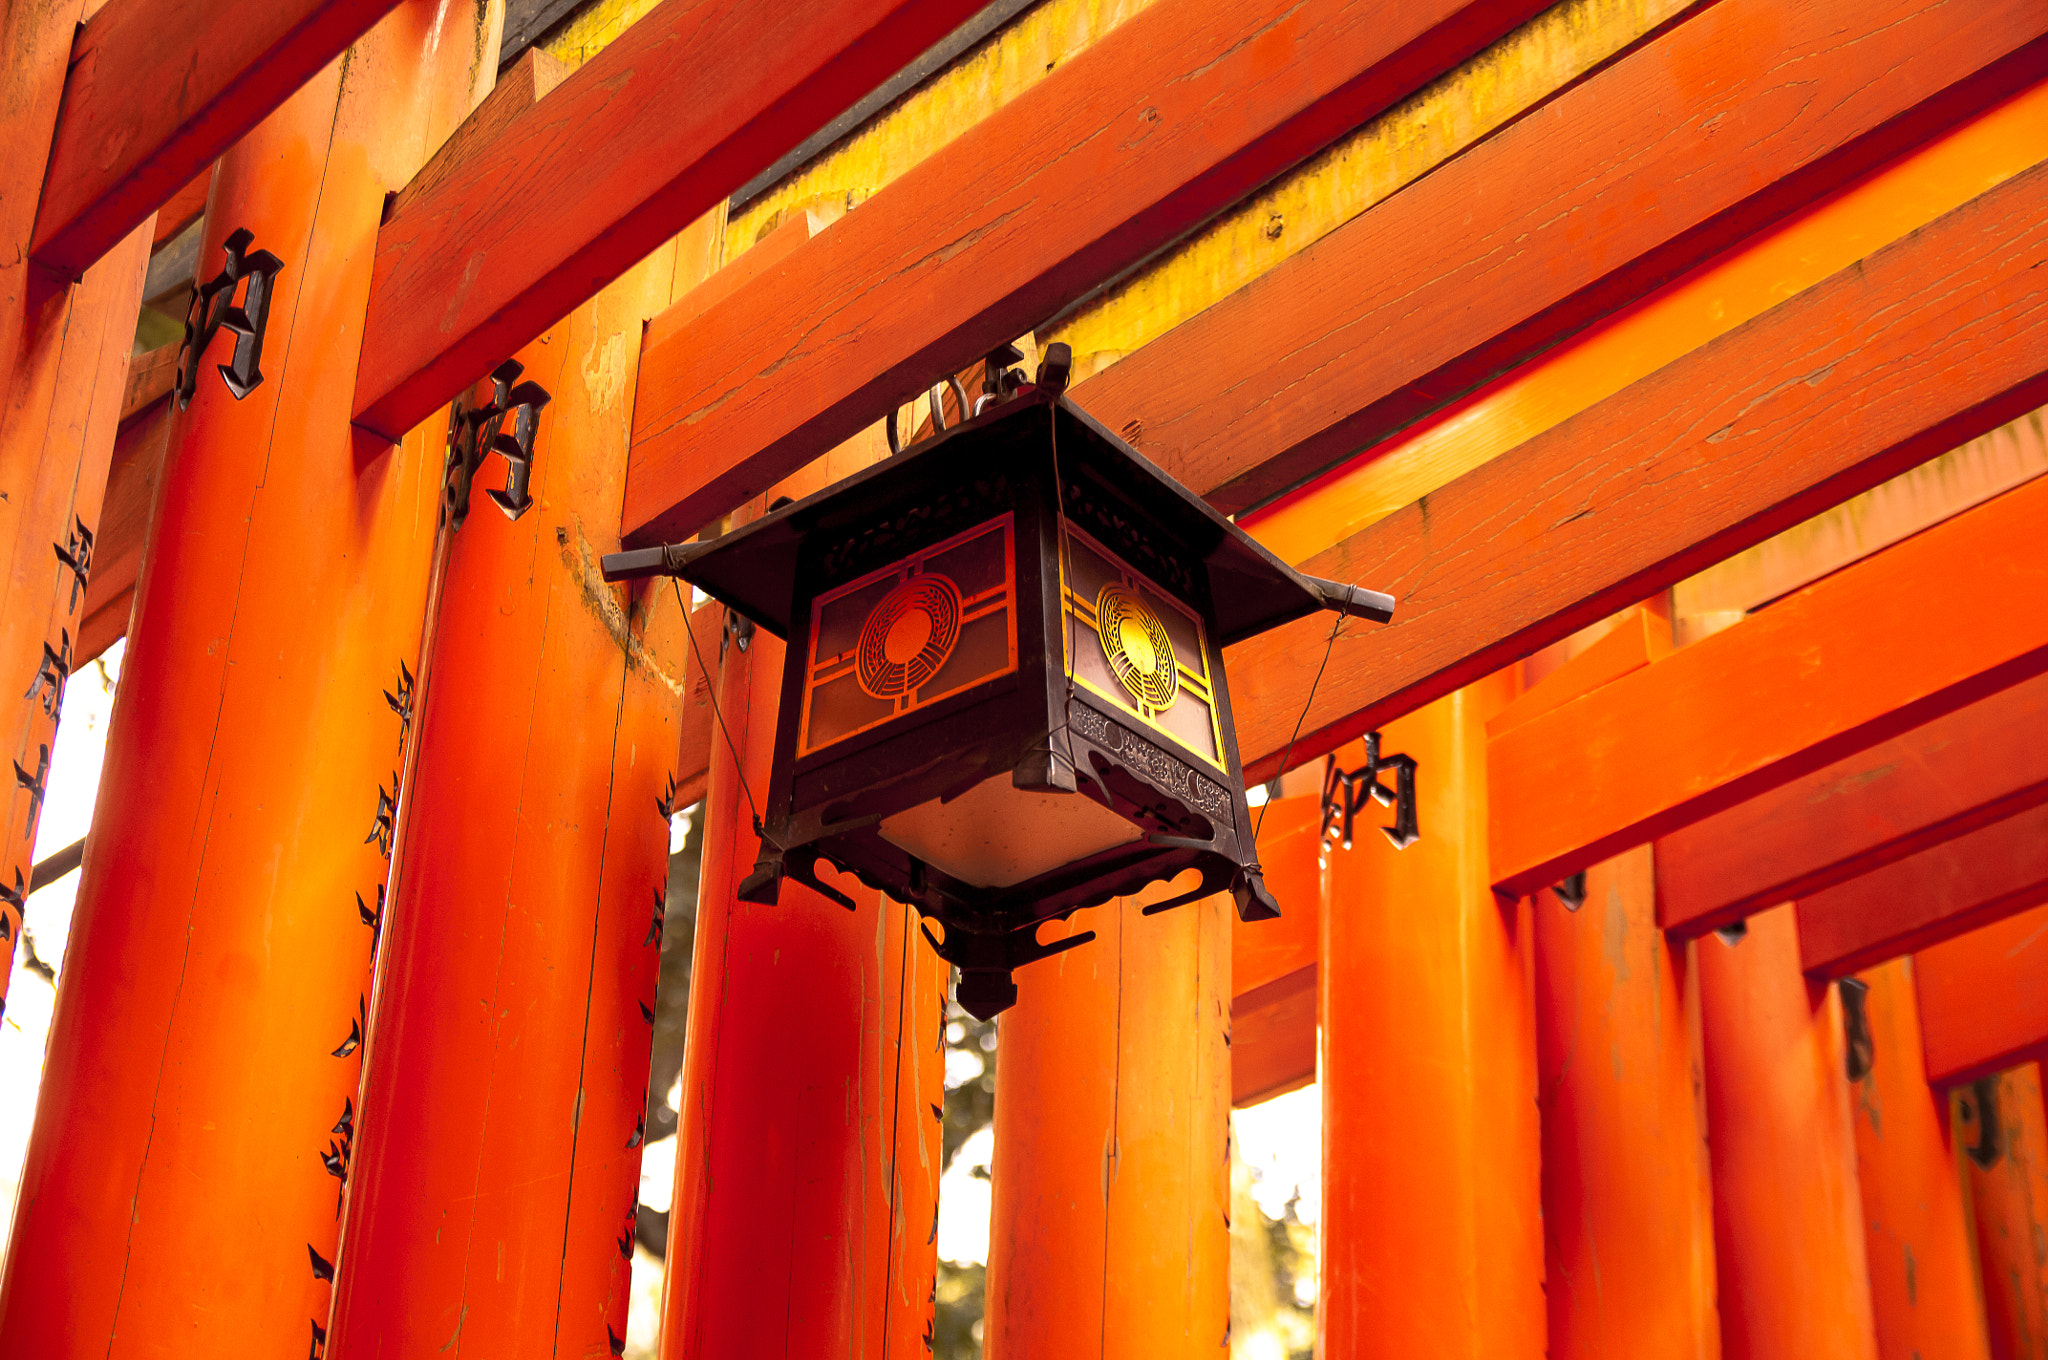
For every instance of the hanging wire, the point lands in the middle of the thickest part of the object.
(1306, 704)
(711, 690)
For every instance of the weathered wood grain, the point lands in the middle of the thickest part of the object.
(157, 90)
(1738, 117)
(1984, 998)
(1939, 781)
(491, 248)
(1914, 632)
(1176, 114)
(1950, 889)
(1915, 349)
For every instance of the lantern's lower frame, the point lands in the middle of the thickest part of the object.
(1004, 698)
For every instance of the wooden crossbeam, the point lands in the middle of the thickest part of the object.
(1582, 207)
(1900, 638)
(485, 250)
(157, 90)
(1917, 348)
(1273, 963)
(1948, 890)
(1978, 765)
(1984, 999)
(1174, 115)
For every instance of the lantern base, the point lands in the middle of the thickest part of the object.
(997, 835)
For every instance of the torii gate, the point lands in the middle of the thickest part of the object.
(1530, 314)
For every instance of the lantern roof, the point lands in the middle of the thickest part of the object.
(754, 568)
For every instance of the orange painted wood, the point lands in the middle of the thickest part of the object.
(1984, 998)
(1927, 342)
(695, 729)
(57, 434)
(131, 482)
(1761, 108)
(182, 209)
(1289, 832)
(1916, 1223)
(691, 101)
(1949, 890)
(2010, 1197)
(1432, 1224)
(37, 41)
(1627, 1209)
(1790, 1255)
(1273, 963)
(1940, 780)
(1273, 1038)
(807, 1159)
(157, 90)
(1787, 691)
(1176, 113)
(1109, 1230)
(505, 1095)
(150, 377)
(207, 1037)
(1634, 643)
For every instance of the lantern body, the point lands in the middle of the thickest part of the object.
(1004, 697)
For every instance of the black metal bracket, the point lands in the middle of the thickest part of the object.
(1354, 602)
(1989, 1146)
(212, 310)
(474, 431)
(1345, 795)
(1861, 1054)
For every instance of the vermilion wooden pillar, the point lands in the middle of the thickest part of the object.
(807, 1159)
(1788, 1217)
(1109, 1230)
(63, 355)
(1432, 1233)
(2009, 1189)
(1627, 1204)
(62, 404)
(1923, 1284)
(180, 1194)
(498, 1160)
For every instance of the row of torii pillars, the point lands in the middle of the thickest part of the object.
(351, 1050)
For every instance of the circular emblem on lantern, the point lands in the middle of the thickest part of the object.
(1137, 648)
(908, 636)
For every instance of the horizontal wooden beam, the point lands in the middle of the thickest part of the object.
(1920, 346)
(1984, 999)
(1978, 765)
(158, 89)
(1273, 1038)
(139, 446)
(1917, 631)
(1582, 207)
(1908, 906)
(486, 249)
(1172, 116)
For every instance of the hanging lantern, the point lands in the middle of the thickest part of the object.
(1004, 697)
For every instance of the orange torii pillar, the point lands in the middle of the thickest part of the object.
(1788, 1217)
(498, 1155)
(807, 1157)
(1109, 1232)
(1627, 1203)
(1923, 1285)
(2005, 1130)
(63, 358)
(1432, 1231)
(180, 1193)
